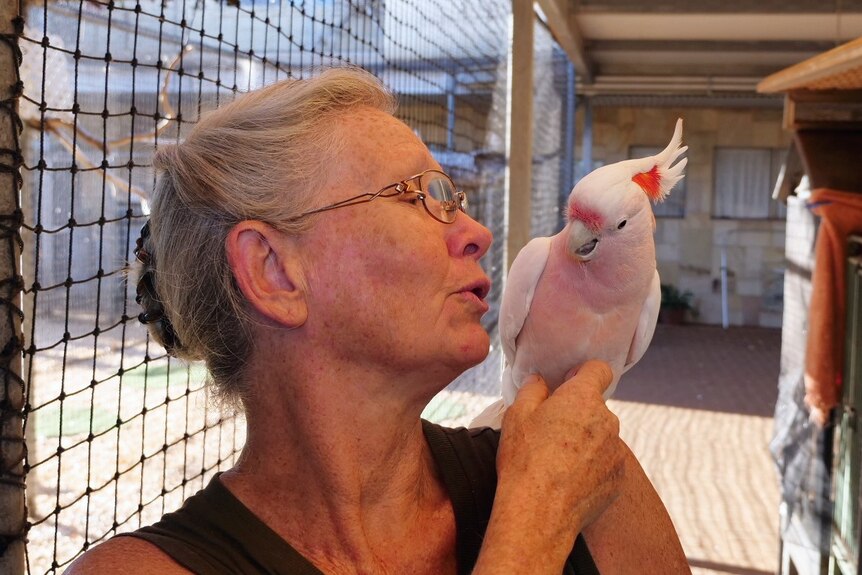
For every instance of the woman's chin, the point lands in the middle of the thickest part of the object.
(474, 351)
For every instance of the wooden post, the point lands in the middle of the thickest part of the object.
(12, 446)
(519, 137)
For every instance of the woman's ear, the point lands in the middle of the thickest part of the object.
(268, 271)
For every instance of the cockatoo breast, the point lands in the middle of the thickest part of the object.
(576, 299)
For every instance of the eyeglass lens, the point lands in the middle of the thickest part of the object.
(442, 195)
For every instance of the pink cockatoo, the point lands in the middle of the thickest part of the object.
(591, 291)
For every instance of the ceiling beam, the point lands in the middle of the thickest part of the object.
(607, 84)
(718, 6)
(561, 21)
(670, 45)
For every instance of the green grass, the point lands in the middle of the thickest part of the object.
(155, 377)
(76, 419)
(79, 416)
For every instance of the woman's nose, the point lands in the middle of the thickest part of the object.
(471, 239)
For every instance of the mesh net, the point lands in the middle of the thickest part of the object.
(118, 433)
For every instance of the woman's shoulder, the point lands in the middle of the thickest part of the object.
(128, 555)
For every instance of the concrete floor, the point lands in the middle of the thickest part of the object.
(697, 411)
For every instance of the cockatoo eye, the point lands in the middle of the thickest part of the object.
(622, 224)
(587, 248)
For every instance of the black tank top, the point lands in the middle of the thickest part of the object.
(213, 533)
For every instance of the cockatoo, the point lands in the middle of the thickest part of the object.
(592, 291)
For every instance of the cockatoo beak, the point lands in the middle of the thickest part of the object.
(583, 242)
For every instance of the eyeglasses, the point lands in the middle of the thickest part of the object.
(442, 200)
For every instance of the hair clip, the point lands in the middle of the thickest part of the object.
(140, 253)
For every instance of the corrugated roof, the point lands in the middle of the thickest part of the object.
(837, 69)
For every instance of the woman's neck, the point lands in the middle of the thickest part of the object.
(337, 471)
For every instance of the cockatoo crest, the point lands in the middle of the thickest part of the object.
(655, 174)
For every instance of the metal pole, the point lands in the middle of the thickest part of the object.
(13, 525)
(587, 142)
(450, 112)
(725, 318)
(569, 145)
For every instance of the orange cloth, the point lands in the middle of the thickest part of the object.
(841, 216)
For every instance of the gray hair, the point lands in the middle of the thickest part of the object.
(257, 158)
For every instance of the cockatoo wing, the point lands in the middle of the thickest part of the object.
(520, 289)
(521, 285)
(517, 298)
(646, 324)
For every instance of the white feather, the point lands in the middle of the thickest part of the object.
(646, 324)
(515, 306)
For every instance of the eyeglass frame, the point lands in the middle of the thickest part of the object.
(459, 203)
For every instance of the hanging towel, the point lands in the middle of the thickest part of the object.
(841, 216)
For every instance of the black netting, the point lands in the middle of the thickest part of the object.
(118, 432)
(12, 386)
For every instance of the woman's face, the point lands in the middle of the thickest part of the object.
(389, 286)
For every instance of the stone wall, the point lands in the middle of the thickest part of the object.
(689, 249)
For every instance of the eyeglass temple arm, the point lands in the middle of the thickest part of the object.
(360, 199)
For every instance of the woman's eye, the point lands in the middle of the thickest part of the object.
(411, 198)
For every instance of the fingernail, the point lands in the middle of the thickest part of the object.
(572, 373)
(532, 378)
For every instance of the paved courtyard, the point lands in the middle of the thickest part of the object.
(697, 410)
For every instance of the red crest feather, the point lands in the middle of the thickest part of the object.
(656, 175)
(650, 182)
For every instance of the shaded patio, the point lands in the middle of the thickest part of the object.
(697, 411)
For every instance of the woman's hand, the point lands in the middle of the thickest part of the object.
(560, 464)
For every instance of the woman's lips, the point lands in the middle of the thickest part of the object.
(474, 293)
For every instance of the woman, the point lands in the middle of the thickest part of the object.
(332, 294)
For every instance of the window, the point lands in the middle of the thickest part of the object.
(744, 178)
(673, 205)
